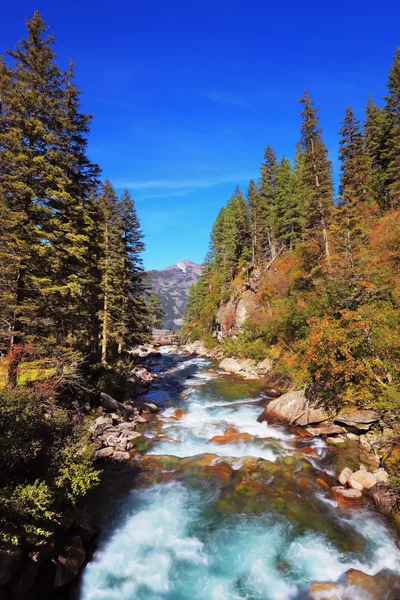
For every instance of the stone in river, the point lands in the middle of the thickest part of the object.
(367, 480)
(179, 413)
(249, 487)
(324, 591)
(307, 450)
(357, 417)
(346, 498)
(294, 408)
(345, 475)
(233, 438)
(325, 429)
(221, 473)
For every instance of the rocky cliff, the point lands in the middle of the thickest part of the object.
(172, 285)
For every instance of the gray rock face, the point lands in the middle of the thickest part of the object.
(232, 315)
(294, 408)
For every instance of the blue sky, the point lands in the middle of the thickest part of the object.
(186, 96)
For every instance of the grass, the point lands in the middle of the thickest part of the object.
(28, 372)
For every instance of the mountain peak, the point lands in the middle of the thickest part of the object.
(172, 285)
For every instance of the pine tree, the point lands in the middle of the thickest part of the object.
(316, 177)
(267, 192)
(355, 189)
(111, 265)
(29, 177)
(287, 206)
(257, 223)
(375, 141)
(132, 306)
(155, 311)
(217, 238)
(391, 151)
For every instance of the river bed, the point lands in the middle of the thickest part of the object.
(249, 518)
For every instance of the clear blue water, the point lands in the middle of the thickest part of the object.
(172, 541)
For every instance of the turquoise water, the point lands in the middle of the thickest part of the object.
(192, 538)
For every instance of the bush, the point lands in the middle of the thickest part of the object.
(45, 465)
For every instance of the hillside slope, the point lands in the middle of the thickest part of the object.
(172, 285)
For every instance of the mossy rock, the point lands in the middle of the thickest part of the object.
(249, 487)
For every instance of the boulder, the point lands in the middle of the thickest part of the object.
(363, 478)
(69, 560)
(346, 497)
(324, 591)
(366, 584)
(121, 456)
(345, 476)
(249, 487)
(384, 498)
(359, 418)
(294, 408)
(355, 485)
(112, 405)
(104, 453)
(382, 476)
(325, 429)
(245, 368)
(369, 458)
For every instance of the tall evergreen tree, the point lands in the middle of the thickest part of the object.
(288, 217)
(257, 223)
(375, 141)
(392, 134)
(355, 189)
(267, 192)
(316, 177)
(111, 266)
(30, 177)
(132, 305)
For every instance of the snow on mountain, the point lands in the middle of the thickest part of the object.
(172, 285)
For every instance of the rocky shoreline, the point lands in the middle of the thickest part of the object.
(364, 429)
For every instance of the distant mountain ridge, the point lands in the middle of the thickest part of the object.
(172, 285)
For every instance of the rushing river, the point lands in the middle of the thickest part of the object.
(195, 528)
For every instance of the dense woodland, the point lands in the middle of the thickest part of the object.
(326, 270)
(72, 291)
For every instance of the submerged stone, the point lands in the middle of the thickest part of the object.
(249, 487)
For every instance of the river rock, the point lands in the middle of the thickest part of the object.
(359, 418)
(324, 591)
(345, 496)
(384, 498)
(382, 476)
(121, 456)
(249, 487)
(345, 476)
(369, 458)
(325, 429)
(233, 438)
(104, 453)
(294, 408)
(69, 560)
(245, 368)
(363, 478)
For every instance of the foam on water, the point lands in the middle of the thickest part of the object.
(165, 548)
(195, 429)
(168, 543)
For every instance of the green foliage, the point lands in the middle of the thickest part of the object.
(46, 462)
